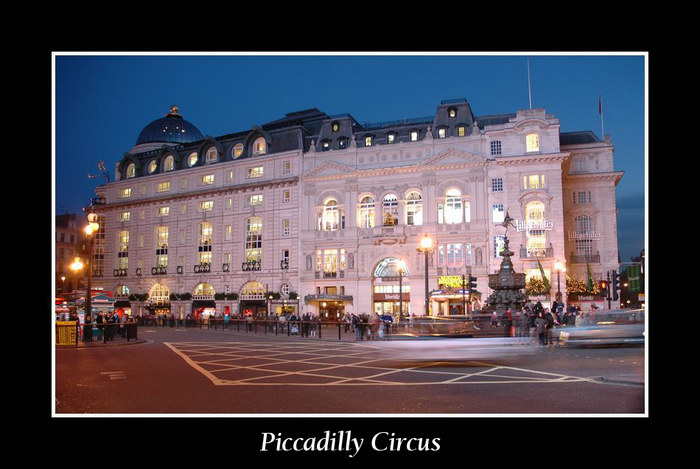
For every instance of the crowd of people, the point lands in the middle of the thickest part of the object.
(537, 322)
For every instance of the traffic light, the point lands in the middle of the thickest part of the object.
(603, 288)
(472, 283)
(615, 285)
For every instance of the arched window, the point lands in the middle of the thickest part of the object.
(131, 171)
(212, 155)
(331, 217)
(414, 208)
(452, 212)
(252, 291)
(259, 146)
(159, 294)
(390, 208)
(237, 150)
(204, 290)
(192, 159)
(169, 163)
(366, 212)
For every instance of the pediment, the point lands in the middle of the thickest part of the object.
(330, 168)
(452, 156)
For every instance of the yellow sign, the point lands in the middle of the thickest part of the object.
(66, 333)
(451, 281)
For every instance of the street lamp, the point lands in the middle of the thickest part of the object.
(400, 268)
(426, 246)
(559, 267)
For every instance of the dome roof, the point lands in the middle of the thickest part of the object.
(170, 129)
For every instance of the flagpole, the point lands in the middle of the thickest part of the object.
(529, 88)
(600, 111)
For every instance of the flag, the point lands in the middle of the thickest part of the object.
(600, 104)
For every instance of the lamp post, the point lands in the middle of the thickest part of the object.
(559, 267)
(426, 246)
(401, 268)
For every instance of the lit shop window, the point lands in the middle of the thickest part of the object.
(532, 142)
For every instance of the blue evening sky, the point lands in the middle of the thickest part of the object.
(102, 101)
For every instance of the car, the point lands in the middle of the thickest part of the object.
(613, 327)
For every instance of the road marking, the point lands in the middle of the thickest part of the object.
(329, 364)
(114, 374)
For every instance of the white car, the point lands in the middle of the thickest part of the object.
(614, 327)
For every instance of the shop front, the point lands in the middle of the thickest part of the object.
(452, 298)
(329, 307)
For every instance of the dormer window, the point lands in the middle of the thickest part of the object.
(452, 112)
(212, 155)
(131, 171)
(335, 127)
(442, 132)
(342, 142)
(152, 166)
(391, 137)
(325, 145)
(192, 159)
(259, 146)
(369, 140)
(413, 135)
(237, 150)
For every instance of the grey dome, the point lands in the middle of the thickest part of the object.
(170, 129)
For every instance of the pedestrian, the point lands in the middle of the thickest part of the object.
(580, 321)
(357, 326)
(347, 318)
(508, 323)
(550, 326)
(540, 327)
(494, 319)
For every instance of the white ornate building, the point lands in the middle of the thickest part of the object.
(328, 208)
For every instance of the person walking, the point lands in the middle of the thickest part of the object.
(541, 327)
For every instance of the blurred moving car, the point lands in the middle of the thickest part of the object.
(614, 327)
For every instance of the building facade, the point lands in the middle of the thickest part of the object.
(323, 214)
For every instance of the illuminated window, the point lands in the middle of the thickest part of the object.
(461, 130)
(451, 211)
(253, 200)
(192, 159)
(237, 150)
(205, 242)
(330, 217)
(414, 209)
(169, 163)
(391, 137)
(162, 246)
(125, 216)
(125, 193)
(256, 172)
(212, 155)
(413, 135)
(163, 211)
(532, 142)
(259, 146)
(206, 206)
(123, 250)
(152, 166)
(533, 181)
(207, 180)
(253, 243)
(204, 290)
(366, 212)
(163, 186)
(369, 140)
(131, 171)
(442, 132)
(390, 208)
